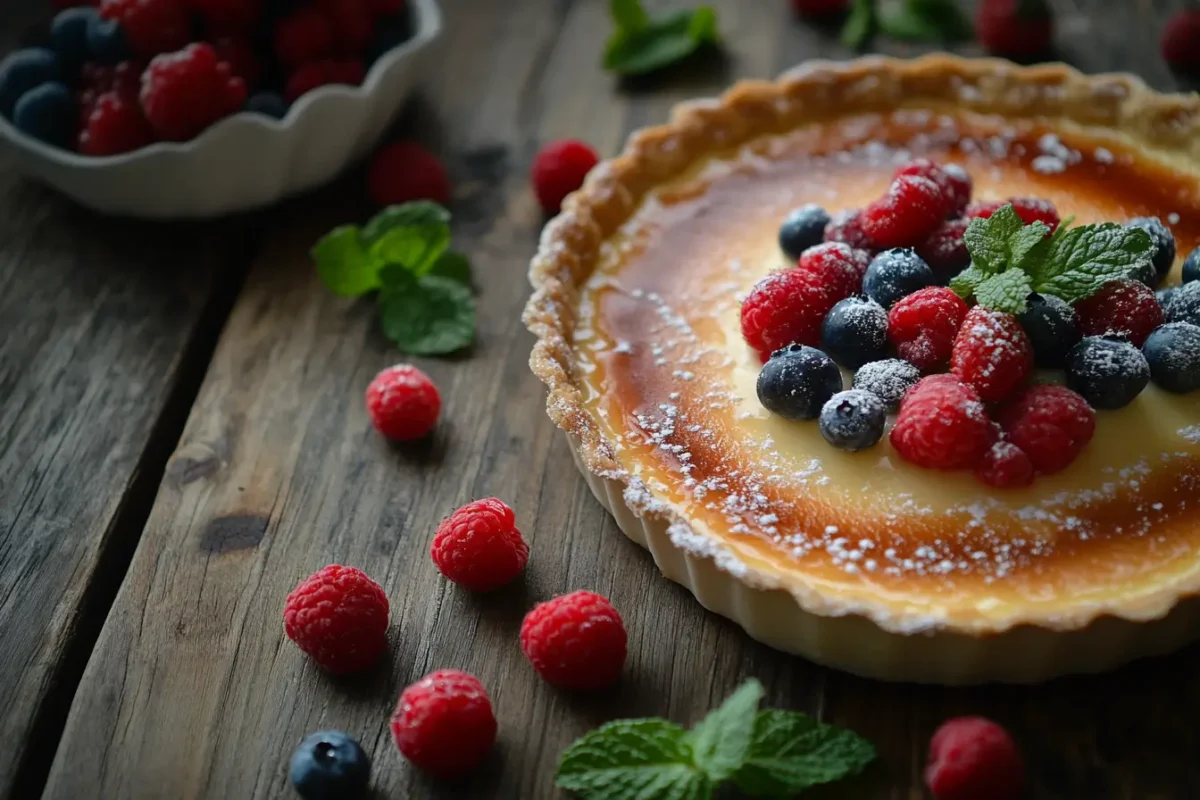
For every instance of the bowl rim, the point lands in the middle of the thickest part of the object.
(428, 27)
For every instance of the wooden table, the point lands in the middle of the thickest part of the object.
(182, 438)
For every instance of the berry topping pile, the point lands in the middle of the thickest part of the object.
(985, 299)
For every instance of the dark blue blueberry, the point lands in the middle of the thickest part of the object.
(24, 70)
(1108, 371)
(855, 332)
(106, 41)
(895, 274)
(329, 765)
(1185, 304)
(49, 113)
(1162, 247)
(268, 104)
(1191, 266)
(69, 35)
(802, 229)
(1164, 295)
(1173, 353)
(1053, 329)
(390, 33)
(853, 420)
(889, 380)
(797, 381)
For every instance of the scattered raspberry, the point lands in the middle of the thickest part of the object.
(403, 403)
(786, 307)
(150, 26)
(1181, 41)
(923, 325)
(1052, 424)
(559, 169)
(404, 171)
(444, 723)
(837, 266)
(576, 641)
(942, 424)
(1123, 307)
(1015, 28)
(303, 36)
(339, 617)
(228, 17)
(323, 73)
(353, 24)
(1029, 209)
(972, 758)
(992, 353)
(185, 92)
(846, 227)
(904, 217)
(953, 181)
(479, 547)
(817, 9)
(945, 251)
(239, 54)
(113, 125)
(1005, 466)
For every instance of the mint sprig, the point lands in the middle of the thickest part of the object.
(425, 301)
(640, 43)
(768, 753)
(925, 21)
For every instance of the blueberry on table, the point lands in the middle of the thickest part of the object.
(1108, 372)
(855, 332)
(49, 113)
(1162, 247)
(1053, 329)
(329, 765)
(106, 41)
(802, 229)
(1185, 304)
(853, 420)
(894, 274)
(1173, 353)
(268, 104)
(797, 381)
(1191, 266)
(25, 70)
(69, 34)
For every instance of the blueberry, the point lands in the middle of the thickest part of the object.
(803, 228)
(1164, 295)
(1191, 266)
(1185, 304)
(106, 41)
(853, 420)
(797, 381)
(25, 70)
(1053, 329)
(855, 332)
(69, 34)
(268, 104)
(1162, 247)
(48, 112)
(889, 380)
(894, 274)
(1173, 353)
(1108, 371)
(390, 33)
(329, 765)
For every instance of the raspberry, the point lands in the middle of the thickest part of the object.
(228, 17)
(972, 758)
(576, 641)
(303, 36)
(1052, 424)
(114, 125)
(1015, 28)
(992, 353)
(837, 266)
(339, 617)
(353, 24)
(323, 73)
(97, 79)
(846, 227)
(945, 251)
(1123, 307)
(1029, 209)
(559, 169)
(942, 424)
(185, 92)
(150, 26)
(952, 179)
(786, 307)
(922, 326)
(1004, 466)
(240, 56)
(1181, 41)
(403, 403)
(479, 547)
(444, 723)
(904, 217)
(983, 210)
(404, 171)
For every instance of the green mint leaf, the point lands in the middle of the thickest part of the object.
(454, 266)
(428, 315)
(987, 239)
(1035, 262)
(721, 739)
(1081, 260)
(414, 247)
(661, 42)
(859, 26)
(1007, 291)
(947, 16)
(1023, 242)
(964, 283)
(792, 752)
(419, 214)
(636, 759)
(628, 15)
(343, 263)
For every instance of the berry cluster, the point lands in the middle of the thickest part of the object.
(868, 293)
(117, 75)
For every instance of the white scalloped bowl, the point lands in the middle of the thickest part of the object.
(246, 161)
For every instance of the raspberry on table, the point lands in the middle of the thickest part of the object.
(838, 266)
(855, 332)
(1173, 353)
(992, 353)
(942, 424)
(303, 36)
(1108, 371)
(972, 758)
(953, 181)
(922, 326)
(1124, 307)
(945, 251)
(404, 171)
(479, 547)
(1005, 466)
(559, 168)
(797, 381)
(150, 27)
(1015, 28)
(114, 124)
(228, 17)
(185, 92)
(803, 228)
(339, 617)
(1180, 43)
(403, 403)
(912, 208)
(576, 641)
(786, 307)
(1050, 424)
(846, 227)
(322, 73)
(444, 723)
(888, 379)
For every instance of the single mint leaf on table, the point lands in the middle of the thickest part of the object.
(987, 240)
(413, 235)
(721, 739)
(454, 266)
(964, 283)
(926, 21)
(1006, 292)
(791, 752)
(638, 759)
(859, 26)
(343, 265)
(660, 42)
(1081, 260)
(428, 315)
(418, 213)
(629, 15)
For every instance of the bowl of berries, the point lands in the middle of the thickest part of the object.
(164, 109)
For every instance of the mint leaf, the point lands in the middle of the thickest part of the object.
(637, 759)
(454, 266)
(342, 263)
(926, 21)
(1007, 291)
(721, 739)
(660, 42)
(1081, 260)
(1023, 242)
(963, 284)
(859, 25)
(418, 213)
(987, 239)
(428, 315)
(791, 752)
(628, 15)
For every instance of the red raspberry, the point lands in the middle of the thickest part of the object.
(150, 26)
(1123, 307)
(353, 24)
(576, 641)
(1005, 466)
(339, 617)
(1029, 209)
(444, 723)
(185, 92)
(846, 227)
(240, 56)
(97, 79)
(922, 326)
(404, 171)
(972, 758)
(228, 17)
(1052, 424)
(819, 8)
(786, 307)
(1181, 41)
(984, 209)
(303, 36)
(992, 353)
(114, 124)
(479, 547)
(904, 217)
(942, 424)
(322, 73)
(953, 180)
(945, 251)
(559, 169)
(839, 267)
(1015, 28)
(403, 403)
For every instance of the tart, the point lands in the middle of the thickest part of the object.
(861, 560)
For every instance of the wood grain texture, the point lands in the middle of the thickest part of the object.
(193, 690)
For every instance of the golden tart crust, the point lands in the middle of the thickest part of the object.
(859, 561)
